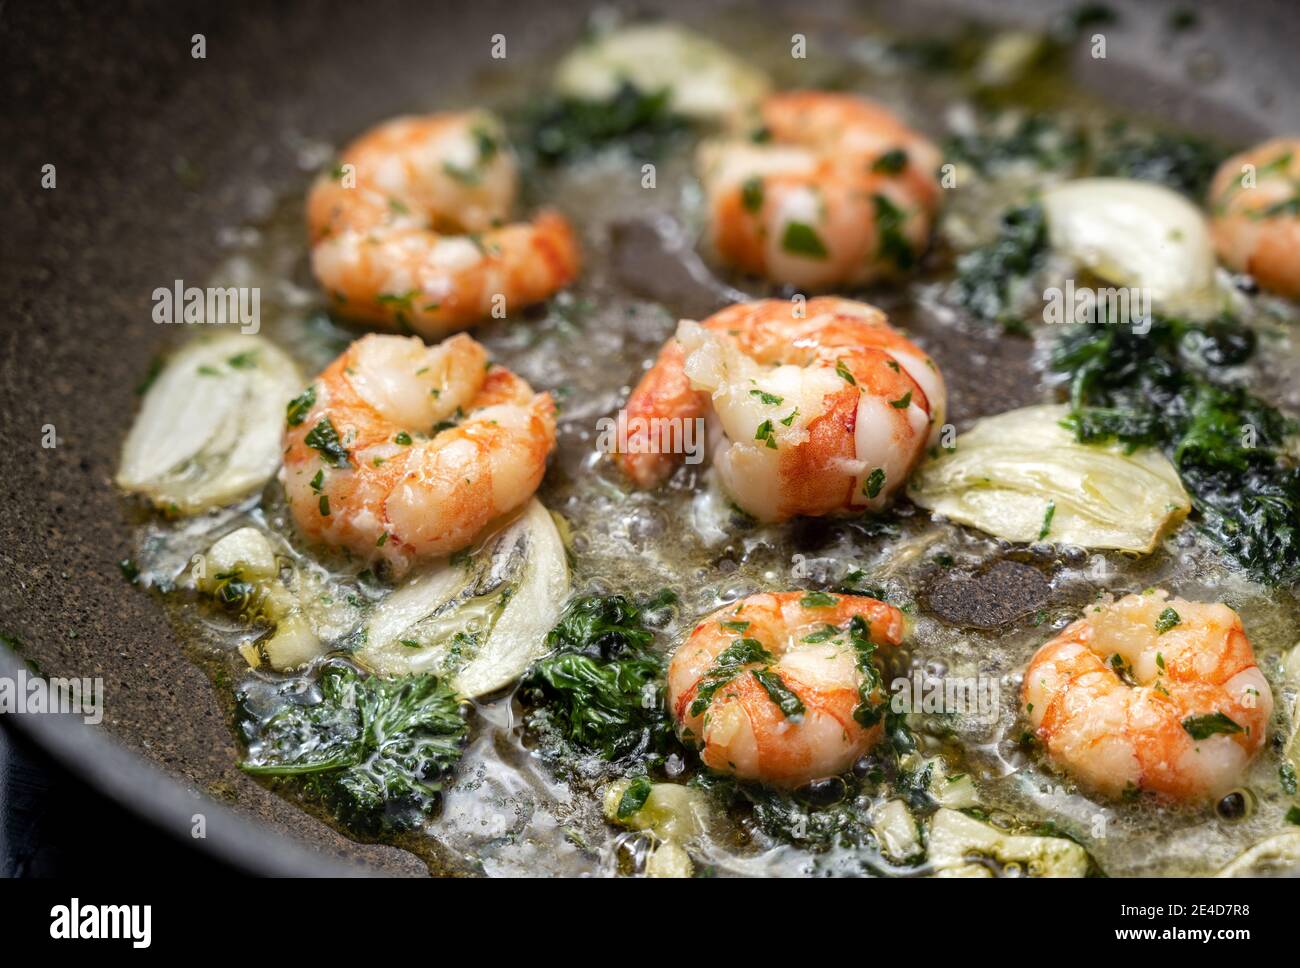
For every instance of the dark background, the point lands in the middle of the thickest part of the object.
(54, 825)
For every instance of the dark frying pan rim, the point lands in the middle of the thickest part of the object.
(142, 789)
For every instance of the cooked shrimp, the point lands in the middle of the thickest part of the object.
(821, 407)
(1150, 693)
(1255, 214)
(825, 189)
(408, 231)
(401, 451)
(784, 687)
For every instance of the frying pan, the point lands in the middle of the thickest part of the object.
(156, 151)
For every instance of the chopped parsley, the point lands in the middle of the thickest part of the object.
(376, 751)
(634, 797)
(993, 280)
(891, 162)
(802, 239)
(893, 246)
(300, 406)
(325, 439)
(725, 668)
(1162, 388)
(1167, 620)
(560, 128)
(1050, 513)
(783, 696)
(1203, 727)
(874, 482)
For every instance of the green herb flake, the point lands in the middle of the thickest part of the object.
(769, 399)
(1203, 727)
(823, 634)
(891, 162)
(1050, 513)
(466, 176)
(401, 299)
(375, 750)
(1167, 620)
(893, 246)
(634, 797)
(874, 482)
(324, 439)
(725, 668)
(801, 239)
(300, 406)
(786, 700)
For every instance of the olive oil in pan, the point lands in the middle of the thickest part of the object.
(508, 810)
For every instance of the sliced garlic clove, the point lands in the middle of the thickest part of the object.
(1136, 234)
(955, 838)
(704, 80)
(209, 429)
(1023, 477)
(481, 622)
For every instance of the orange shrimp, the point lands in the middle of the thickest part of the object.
(400, 451)
(408, 232)
(833, 189)
(1256, 229)
(1150, 693)
(783, 687)
(823, 406)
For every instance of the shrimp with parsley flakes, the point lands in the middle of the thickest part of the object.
(1150, 693)
(784, 688)
(401, 451)
(819, 406)
(409, 229)
(820, 189)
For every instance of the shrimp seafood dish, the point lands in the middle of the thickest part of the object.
(670, 456)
